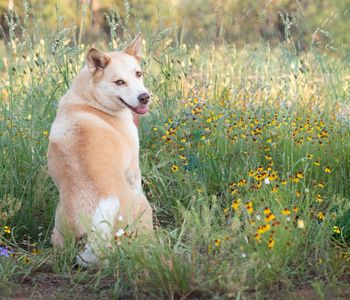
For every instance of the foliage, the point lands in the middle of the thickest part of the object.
(322, 23)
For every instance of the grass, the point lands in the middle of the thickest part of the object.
(245, 160)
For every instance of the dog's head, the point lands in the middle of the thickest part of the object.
(117, 78)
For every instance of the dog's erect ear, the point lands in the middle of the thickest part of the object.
(97, 60)
(134, 48)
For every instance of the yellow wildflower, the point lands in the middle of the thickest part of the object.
(35, 251)
(235, 204)
(270, 217)
(249, 207)
(267, 211)
(264, 228)
(320, 216)
(174, 168)
(296, 179)
(242, 182)
(274, 189)
(26, 260)
(251, 173)
(299, 175)
(200, 190)
(286, 212)
(321, 185)
(309, 156)
(319, 198)
(234, 191)
(328, 170)
(336, 229)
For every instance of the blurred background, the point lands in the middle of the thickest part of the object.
(308, 23)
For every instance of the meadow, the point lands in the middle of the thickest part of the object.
(245, 157)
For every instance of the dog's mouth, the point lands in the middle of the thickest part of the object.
(140, 110)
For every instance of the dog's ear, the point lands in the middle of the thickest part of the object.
(97, 60)
(134, 48)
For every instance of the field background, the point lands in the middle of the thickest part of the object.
(245, 153)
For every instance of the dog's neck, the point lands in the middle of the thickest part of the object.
(92, 100)
(125, 112)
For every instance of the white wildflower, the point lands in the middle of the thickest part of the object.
(120, 232)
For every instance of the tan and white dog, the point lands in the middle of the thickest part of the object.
(93, 154)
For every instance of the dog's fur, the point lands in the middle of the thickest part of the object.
(93, 154)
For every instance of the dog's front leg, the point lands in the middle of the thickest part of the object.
(133, 177)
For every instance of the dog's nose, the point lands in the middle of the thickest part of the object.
(143, 98)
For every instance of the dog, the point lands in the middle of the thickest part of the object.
(93, 153)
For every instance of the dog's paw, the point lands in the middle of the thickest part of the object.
(87, 258)
(134, 179)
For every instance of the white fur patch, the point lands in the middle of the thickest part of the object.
(102, 230)
(105, 216)
(135, 134)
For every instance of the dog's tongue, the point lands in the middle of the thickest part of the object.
(142, 109)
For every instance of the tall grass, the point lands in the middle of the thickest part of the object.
(244, 156)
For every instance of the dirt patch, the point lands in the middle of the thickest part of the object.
(307, 293)
(50, 286)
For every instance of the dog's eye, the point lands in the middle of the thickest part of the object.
(138, 74)
(120, 82)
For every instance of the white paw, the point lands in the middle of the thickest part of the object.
(87, 258)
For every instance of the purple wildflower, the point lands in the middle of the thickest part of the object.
(4, 252)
